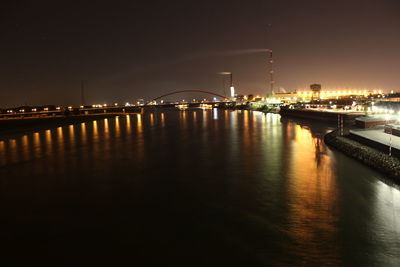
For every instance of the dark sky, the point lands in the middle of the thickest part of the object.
(132, 49)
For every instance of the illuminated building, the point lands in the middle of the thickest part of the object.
(315, 92)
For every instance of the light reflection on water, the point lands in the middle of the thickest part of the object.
(312, 194)
(139, 123)
(194, 119)
(26, 152)
(215, 114)
(83, 133)
(128, 125)
(266, 185)
(117, 127)
(162, 120)
(2, 154)
(151, 119)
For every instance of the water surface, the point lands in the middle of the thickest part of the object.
(192, 188)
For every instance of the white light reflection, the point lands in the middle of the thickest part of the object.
(387, 222)
(215, 114)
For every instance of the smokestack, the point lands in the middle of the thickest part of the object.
(232, 88)
(82, 94)
(271, 72)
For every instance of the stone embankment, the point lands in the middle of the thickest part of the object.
(374, 158)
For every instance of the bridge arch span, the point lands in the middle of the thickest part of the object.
(189, 91)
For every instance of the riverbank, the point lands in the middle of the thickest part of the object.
(372, 157)
(19, 126)
(321, 115)
(250, 106)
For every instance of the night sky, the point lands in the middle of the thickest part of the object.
(129, 50)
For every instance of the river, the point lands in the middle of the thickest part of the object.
(192, 188)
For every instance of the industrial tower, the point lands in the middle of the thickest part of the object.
(271, 72)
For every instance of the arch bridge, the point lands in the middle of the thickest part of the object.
(190, 91)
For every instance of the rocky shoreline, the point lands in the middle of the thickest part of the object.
(372, 157)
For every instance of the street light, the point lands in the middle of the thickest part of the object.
(387, 117)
